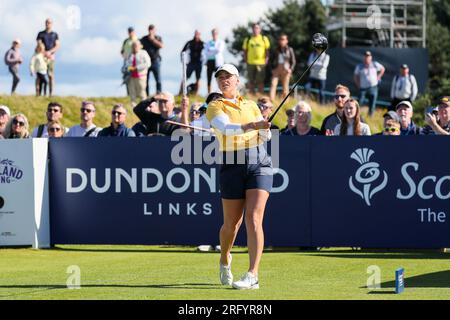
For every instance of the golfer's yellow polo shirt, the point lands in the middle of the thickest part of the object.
(256, 49)
(242, 112)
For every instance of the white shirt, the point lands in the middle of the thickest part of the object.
(79, 132)
(404, 88)
(320, 68)
(214, 51)
(368, 75)
(44, 133)
(365, 130)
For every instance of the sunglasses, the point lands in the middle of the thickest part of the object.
(117, 113)
(195, 112)
(19, 123)
(83, 110)
(391, 130)
(53, 130)
(342, 96)
(264, 107)
(53, 110)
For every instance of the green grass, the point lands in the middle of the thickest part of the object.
(154, 273)
(35, 108)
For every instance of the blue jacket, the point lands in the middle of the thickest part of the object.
(121, 131)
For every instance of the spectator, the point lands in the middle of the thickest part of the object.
(13, 59)
(407, 126)
(17, 128)
(391, 126)
(404, 87)
(195, 112)
(283, 65)
(140, 130)
(39, 67)
(127, 44)
(303, 115)
(5, 113)
(152, 43)
(54, 112)
(318, 74)
(55, 129)
(155, 120)
(214, 50)
(194, 48)
(86, 128)
(290, 113)
(137, 64)
(117, 128)
(351, 122)
(265, 105)
(367, 76)
(203, 122)
(342, 95)
(256, 56)
(439, 125)
(51, 41)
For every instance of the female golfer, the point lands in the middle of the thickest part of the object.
(246, 175)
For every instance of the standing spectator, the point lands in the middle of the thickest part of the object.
(407, 126)
(256, 56)
(13, 59)
(318, 75)
(341, 96)
(50, 39)
(404, 87)
(117, 127)
(439, 125)
(391, 126)
(265, 105)
(290, 113)
(54, 112)
(283, 64)
(17, 128)
(55, 129)
(303, 113)
(367, 76)
(214, 50)
(137, 64)
(351, 122)
(155, 120)
(128, 44)
(152, 43)
(5, 113)
(194, 48)
(39, 67)
(86, 128)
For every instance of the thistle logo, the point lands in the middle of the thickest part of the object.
(367, 175)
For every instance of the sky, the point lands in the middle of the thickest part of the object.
(89, 61)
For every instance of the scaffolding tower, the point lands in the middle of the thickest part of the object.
(391, 23)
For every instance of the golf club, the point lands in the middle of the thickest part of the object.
(319, 42)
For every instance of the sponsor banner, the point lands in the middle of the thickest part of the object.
(16, 192)
(131, 191)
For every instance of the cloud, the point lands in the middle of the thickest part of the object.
(93, 51)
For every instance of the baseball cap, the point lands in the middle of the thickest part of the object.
(445, 102)
(368, 53)
(404, 103)
(405, 66)
(130, 29)
(17, 41)
(392, 115)
(6, 109)
(228, 68)
(290, 112)
(165, 96)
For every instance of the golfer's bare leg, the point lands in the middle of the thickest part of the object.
(254, 214)
(233, 212)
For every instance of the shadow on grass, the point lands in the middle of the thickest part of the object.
(130, 250)
(379, 254)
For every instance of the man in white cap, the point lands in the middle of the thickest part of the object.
(13, 59)
(405, 112)
(4, 118)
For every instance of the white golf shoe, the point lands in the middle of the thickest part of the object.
(226, 277)
(248, 282)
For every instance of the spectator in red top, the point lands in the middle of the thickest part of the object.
(137, 64)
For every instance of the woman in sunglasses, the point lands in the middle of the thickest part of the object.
(55, 129)
(351, 122)
(17, 128)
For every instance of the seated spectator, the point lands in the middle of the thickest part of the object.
(203, 122)
(117, 128)
(290, 113)
(140, 130)
(156, 122)
(405, 112)
(55, 129)
(54, 112)
(5, 113)
(303, 113)
(195, 112)
(439, 125)
(351, 122)
(266, 107)
(86, 128)
(17, 128)
(342, 94)
(404, 87)
(391, 126)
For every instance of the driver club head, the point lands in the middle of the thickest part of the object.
(320, 42)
